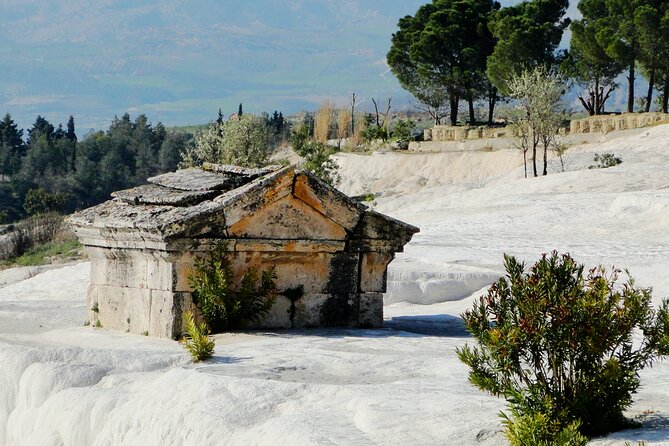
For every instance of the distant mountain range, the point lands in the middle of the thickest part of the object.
(179, 61)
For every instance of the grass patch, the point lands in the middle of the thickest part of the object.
(36, 255)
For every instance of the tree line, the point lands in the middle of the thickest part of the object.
(454, 51)
(51, 170)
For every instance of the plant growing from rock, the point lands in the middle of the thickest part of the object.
(196, 339)
(224, 304)
(563, 347)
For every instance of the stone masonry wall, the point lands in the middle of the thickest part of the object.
(146, 292)
(592, 124)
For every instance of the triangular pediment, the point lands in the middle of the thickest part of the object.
(287, 219)
(328, 201)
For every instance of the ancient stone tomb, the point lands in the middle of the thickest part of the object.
(144, 242)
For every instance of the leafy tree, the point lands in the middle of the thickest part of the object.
(444, 46)
(41, 127)
(39, 201)
(171, 149)
(652, 21)
(277, 122)
(563, 347)
(618, 34)
(317, 156)
(528, 36)
(243, 141)
(72, 138)
(664, 48)
(588, 63)
(402, 129)
(536, 117)
(12, 147)
(48, 153)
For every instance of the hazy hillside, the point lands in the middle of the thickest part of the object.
(179, 61)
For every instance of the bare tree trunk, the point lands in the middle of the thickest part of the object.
(525, 161)
(454, 100)
(597, 104)
(535, 143)
(386, 115)
(587, 104)
(630, 92)
(376, 111)
(545, 172)
(472, 114)
(604, 97)
(651, 84)
(492, 100)
(665, 99)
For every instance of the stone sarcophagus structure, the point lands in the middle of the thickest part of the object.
(143, 245)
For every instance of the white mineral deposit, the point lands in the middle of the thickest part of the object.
(62, 383)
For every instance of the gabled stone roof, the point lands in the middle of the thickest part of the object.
(219, 201)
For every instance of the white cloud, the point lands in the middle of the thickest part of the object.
(23, 101)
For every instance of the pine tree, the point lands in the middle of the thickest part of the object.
(12, 147)
(72, 138)
(588, 63)
(528, 36)
(618, 33)
(439, 55)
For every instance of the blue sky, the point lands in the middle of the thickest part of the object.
(178, 61)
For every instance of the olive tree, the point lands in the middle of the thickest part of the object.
(536, 116)
(243, 140)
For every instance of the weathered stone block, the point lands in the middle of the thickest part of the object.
(309, 310)
(373, 271)
(343, 273)
(159, 274)
(371, 310)
(279, 315)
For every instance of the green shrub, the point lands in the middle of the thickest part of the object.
(196, 339)
(402, 129)
(374, 132)
(39, 201)
(224, 305)
(318, 161)
(606, 160)
(537, 429)
(317, 156)
(560, 344)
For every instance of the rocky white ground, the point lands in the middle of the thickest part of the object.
(65, 384)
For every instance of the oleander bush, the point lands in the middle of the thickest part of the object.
(563, 346)
(223, 303)
(196, 338)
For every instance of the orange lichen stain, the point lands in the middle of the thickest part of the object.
(306, 194)
(286, 219)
